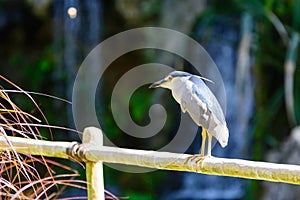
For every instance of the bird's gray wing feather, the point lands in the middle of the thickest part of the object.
(205, 95)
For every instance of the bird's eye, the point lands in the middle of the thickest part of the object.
(169, 78)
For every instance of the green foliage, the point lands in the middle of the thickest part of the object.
(270, 120)
(139, 195)
(29, 61)
(139, 104)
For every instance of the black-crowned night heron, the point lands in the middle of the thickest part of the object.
(196, 98)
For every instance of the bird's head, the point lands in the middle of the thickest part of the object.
(167, 82)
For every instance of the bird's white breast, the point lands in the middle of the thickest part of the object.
(182, 91)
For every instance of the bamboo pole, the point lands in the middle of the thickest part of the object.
(35, 147)
(92, 137)
(213, 166)
(160, 160)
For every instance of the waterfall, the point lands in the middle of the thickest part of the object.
(74, 36)
(75, 33)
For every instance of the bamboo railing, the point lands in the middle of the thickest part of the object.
(94, 154)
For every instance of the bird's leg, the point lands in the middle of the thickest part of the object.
(209, 145)
(203, 142)
(200, 156)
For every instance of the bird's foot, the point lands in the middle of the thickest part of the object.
(193, 157)
(198, 159)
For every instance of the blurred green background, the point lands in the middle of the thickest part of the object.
(42, 46)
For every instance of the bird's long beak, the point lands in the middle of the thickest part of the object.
(157, 83)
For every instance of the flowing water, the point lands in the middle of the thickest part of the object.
(73, 38)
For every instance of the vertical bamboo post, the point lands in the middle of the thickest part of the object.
(92, 136)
